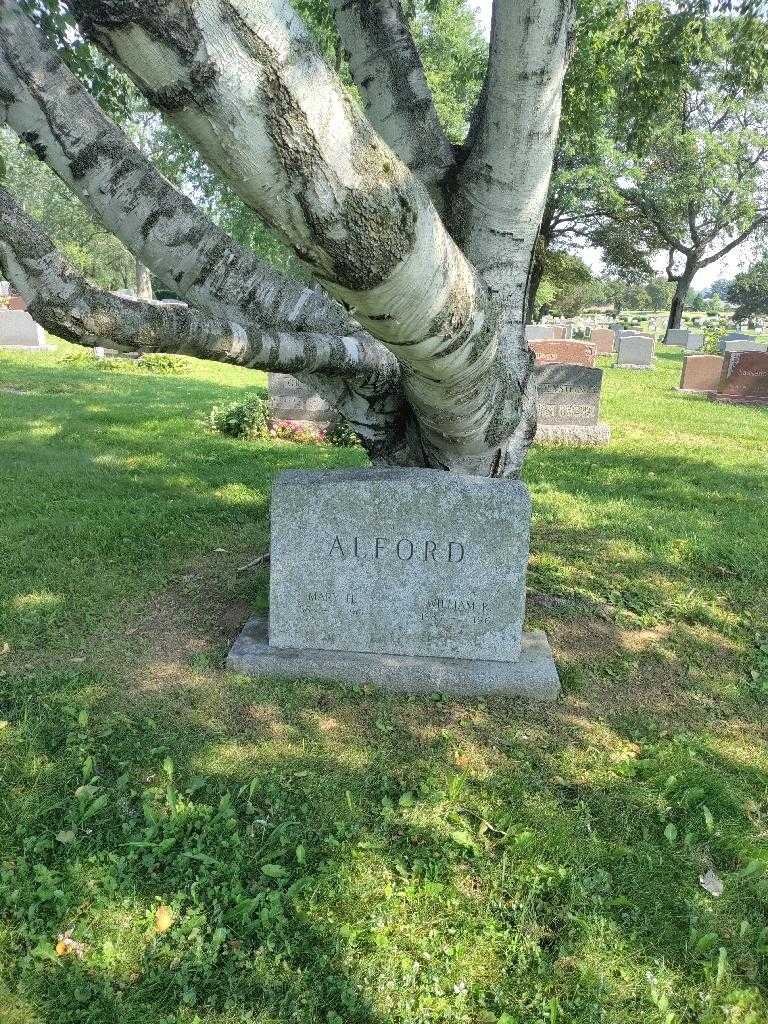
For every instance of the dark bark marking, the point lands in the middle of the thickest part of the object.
(378, 223)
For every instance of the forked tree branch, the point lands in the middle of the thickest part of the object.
(386, 67)
(247, 83)
(48, 108)
(357, 374)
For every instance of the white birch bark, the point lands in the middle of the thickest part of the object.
(386, 67)
(247, 84)
(501, 188)
(43, 102)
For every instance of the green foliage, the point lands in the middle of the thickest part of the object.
(341, 434)
(163, 363)
(660, 292)
(241, 419)
(749, 291)
(567, 286)
(454, 54)
(98, 255)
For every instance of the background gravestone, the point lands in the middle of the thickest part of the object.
(733, 336)
(19, 330)
(744, 378)
(289, 399)
(676, 336)
(701, 373)
(603, 339)
(741, 345)
(539, 332)
(578, 353)
(635, 352)
(695, 342)
(568, 404)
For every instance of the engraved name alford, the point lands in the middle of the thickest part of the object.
(404, 549)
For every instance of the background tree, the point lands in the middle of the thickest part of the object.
(749, 291)
(692, 180)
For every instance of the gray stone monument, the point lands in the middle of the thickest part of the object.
(733, 336)
(676, 336)
(568, 404)
(746, 345)
(695, 342)
(407, 579)
(19, 331)
(539, 332)
(289, 399)
(635, 352)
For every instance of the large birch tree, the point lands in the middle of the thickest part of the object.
(420, 249)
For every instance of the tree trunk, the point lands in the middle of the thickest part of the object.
(143, 282)
(682, 287)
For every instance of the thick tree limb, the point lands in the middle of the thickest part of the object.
(360, 374)
(45, 105)
(502, 186)
(387, 69)
(246, 83)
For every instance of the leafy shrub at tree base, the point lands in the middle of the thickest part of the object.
(240, 419)
(341, 434)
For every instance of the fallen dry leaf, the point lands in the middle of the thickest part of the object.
(163, 919)
(66, 945)
(711, 883)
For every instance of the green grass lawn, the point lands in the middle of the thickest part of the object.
(219, 849)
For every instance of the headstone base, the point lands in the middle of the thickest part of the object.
(533, 675)
(576, 433)
(735, 399)
(44, 347)
(633, 366)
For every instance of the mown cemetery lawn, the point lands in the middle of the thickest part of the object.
(182, 845)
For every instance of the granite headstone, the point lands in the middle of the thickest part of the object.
(578, 353)
(676, 336)
(406, 579)
(289, 399)
(603, 339)
(19, 330)
(744, 378)
(568, 404)
(741, 345)
(539, 332)
(635, 351)
(701, 373)
(412, 562)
